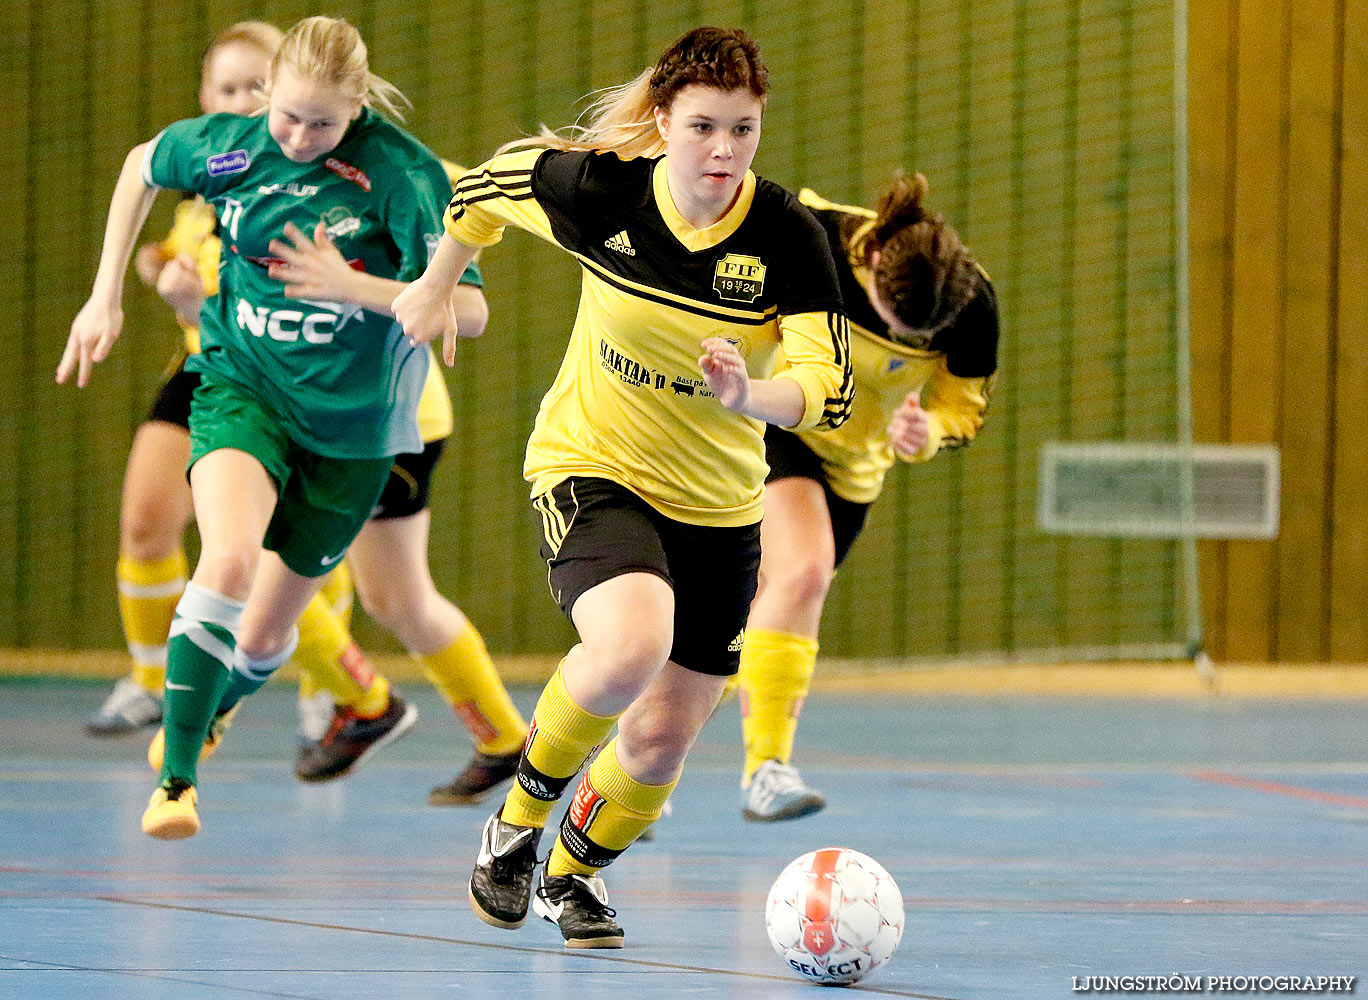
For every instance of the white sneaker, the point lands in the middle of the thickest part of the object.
(777, 792)
(315, 716)
(129, 707)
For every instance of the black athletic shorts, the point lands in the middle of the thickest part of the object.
(594, 530)
(172, 404)
(788, 458)
(409, 486)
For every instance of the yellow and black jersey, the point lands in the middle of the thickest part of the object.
(629, 403)
(194, 233)
(953, 371)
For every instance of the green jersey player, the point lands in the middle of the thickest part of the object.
(303, 403)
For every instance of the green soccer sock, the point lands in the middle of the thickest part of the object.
(246, 675)
(199, 655)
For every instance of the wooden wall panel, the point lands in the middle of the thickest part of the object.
(17, 123)
(1279, 276)
(1306, 432)
(1256, 315)
(1279, 242)
(1348, 595)
(1211, 130)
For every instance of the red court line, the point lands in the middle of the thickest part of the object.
(1281, 788)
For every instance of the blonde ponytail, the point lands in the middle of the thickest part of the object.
(620, 120)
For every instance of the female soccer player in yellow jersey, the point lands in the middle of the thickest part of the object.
(300, 411)
(647, 457)
(924, 324)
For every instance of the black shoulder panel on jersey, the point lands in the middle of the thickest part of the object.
(573, 187)
(814, 286)
(970, 343)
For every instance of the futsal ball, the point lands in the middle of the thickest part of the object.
(834, 915)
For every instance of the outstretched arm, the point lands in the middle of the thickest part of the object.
(100, 320)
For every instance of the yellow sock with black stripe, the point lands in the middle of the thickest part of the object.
(148, 592)
(465, 675)
(609, 811)
(776, 673)
(327, 654)
(561, 738)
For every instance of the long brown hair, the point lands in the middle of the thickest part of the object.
(925, 275)
(622, 119)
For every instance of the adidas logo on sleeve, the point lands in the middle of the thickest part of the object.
(620, 243)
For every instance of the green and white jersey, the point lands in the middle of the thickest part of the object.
(344, 381)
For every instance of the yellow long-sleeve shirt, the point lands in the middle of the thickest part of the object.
(629, 403)
(954, 372)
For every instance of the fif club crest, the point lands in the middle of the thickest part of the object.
(739, 277)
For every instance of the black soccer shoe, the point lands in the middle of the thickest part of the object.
(482, 775)
(351, 740)
(578, 905)
(501, 884)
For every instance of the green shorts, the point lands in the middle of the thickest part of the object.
(321, 503)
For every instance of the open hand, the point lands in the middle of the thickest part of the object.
(724, 371)
(311, 268)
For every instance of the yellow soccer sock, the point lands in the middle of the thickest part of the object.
(609, 811)
(337, 591)
(338, 594)
(562, 737)
(465, 675)
(327, 654)
(148, 592)
(776, 672)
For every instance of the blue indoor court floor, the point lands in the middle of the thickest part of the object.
(1037, 841)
